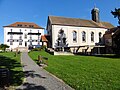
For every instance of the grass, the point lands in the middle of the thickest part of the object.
(84, 72)
(9, 61)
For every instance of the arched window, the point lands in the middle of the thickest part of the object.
(92, 36)
(74, 36)
(83, 36)
(100, 37)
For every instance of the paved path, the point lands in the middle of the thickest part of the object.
(39, 79)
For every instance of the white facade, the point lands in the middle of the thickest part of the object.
(68, 30)
(77, 35)
(22, 37)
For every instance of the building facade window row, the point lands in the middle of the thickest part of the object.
(11, 30)
(92, 34)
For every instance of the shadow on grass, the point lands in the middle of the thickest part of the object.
(16, 73)
(108, 56)
(36, 60)
(101, 55)
(31, 86)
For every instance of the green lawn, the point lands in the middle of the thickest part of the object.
(8, 60)
(84, 72)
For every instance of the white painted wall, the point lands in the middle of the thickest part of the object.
(25, 31)
(68, 31)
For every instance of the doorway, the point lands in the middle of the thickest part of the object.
(25, 44)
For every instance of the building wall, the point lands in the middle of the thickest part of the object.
(68, 30)
(16, 36)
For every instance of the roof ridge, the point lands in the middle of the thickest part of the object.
(63, 17)
(25, 22)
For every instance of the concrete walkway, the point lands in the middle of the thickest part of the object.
(39, 79)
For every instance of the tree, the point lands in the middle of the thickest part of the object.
(116, 13)
(3, 47)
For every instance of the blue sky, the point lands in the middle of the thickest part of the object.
(37, 11)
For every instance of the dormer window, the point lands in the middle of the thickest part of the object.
(19, 25)
(25, 25)
(31, 25)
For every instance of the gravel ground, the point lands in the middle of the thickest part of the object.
(36, 78)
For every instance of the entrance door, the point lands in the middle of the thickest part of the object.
(25, 44)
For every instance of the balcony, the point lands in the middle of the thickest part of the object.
(33, 40)
(19, 33)
(34, 33)
(14, 40)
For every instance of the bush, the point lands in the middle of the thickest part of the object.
(18, 52)
(39, 49)
(36, 49)
(43, 47)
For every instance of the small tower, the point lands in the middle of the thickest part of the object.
(95, 14)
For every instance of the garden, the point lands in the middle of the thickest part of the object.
(84, 72)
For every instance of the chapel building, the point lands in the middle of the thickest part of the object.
(77, 35)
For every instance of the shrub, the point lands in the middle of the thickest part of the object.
(36, 49)
(43, 47)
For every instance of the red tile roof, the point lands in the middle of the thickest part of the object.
(24, 25)
(43, 38)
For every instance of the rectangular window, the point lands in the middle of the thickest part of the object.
(25, 36)
(11, 43)
(11, 30)
(20, 43)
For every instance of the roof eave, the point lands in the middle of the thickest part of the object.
(79, 26)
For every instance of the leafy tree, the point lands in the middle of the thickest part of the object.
(116, 13)
(3, 47)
